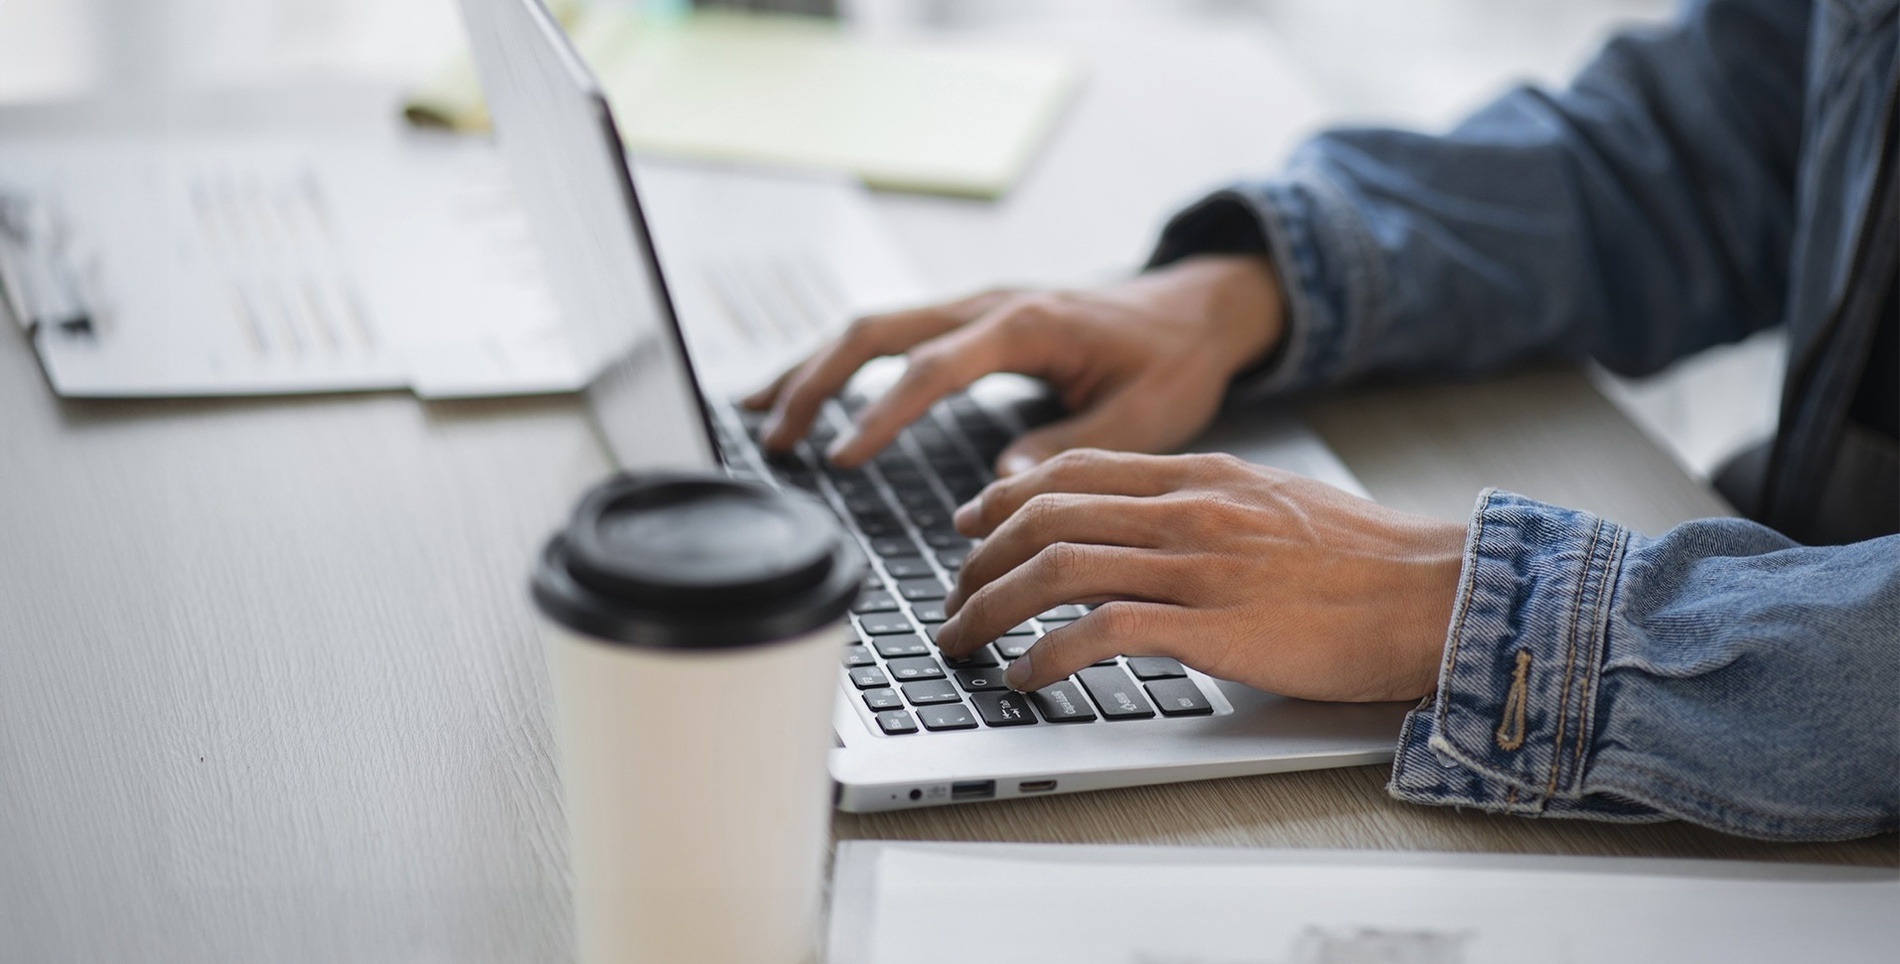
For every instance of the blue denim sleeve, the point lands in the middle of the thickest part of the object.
(1643, 213)
(1719, 674)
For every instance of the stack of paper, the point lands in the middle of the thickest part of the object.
(934, 117)
(927, 903)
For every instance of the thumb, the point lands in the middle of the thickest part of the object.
(1115, 422)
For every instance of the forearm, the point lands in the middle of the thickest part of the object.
(1641, 214)
(1718, 674)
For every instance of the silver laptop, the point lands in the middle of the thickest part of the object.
(913, 728)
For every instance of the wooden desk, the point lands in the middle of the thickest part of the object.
(271, 689)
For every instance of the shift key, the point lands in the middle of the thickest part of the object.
(1117, 695)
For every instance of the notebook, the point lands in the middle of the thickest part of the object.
(935, 117)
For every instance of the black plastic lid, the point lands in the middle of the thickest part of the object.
(696, 562)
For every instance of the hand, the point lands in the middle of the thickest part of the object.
(1142, 364)
(1243, 572)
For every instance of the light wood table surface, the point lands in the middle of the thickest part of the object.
(271, 689)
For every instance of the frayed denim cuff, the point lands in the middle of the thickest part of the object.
(1325, 259)
(1510, 727)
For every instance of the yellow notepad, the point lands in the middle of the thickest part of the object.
(938, 118)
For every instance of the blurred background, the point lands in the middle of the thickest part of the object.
(1402, 62)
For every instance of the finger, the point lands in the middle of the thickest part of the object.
(937, 368)
(762, 399)
(1085, 471)
(803, 390)
(1137, 417)
(1054, 517)
(1061, 573)
(1120, 628)
(1018, 335)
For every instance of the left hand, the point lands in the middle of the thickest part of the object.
(1243, 572)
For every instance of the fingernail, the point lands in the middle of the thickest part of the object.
(839, 444)
(1018, 675)
(947, 633)
(1017, 464)
(967, 513)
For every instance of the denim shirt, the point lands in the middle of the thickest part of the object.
(1694, 184)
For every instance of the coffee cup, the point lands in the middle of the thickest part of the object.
(694, 625)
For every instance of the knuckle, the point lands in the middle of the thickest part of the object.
(1027, 310)
(1040, 511)
(1061, 563)
(925, 364)
(1119, 620)
(1079, 463)
(862, 330)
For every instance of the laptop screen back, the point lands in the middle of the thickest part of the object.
(564, 155)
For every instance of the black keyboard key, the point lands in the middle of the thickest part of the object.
(1004, 709)
(1104, 661)
(952, 559)
(919, 499)
(1012, 647)
(906, 478)
(945, 538)
(869, 677)
(895, 722)
(948, 716)
(928, 610)
(882, 624)
(977, 680)
(1155, 667)
(920, 589)
(886, 546)
(1051, 625)
(858, 656)
(929, 519)
(1062, 703)
(1069, 613)
(897, 647)
(874, 602)
(916, 667)
(1179, 697)
(908, 567)
(882, 698)
(962, 486)
(866, 503)
(981, 659)
(1115, 693)
(930, 692)
(855, 488)
(880, 526)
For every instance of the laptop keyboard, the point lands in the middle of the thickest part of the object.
(899, 506)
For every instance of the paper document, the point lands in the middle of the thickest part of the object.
(183, 265)
(934, 117)
(900, 903)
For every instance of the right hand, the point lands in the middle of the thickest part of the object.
(1141, 364)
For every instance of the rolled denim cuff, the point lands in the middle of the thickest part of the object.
(1509, 729)
(1325, 259)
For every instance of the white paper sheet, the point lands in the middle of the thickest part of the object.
(269, 263)
(920, 903)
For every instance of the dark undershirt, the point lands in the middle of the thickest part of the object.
(1876, 402)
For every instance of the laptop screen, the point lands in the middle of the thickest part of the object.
(562, 150)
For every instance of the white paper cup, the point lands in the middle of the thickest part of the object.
(694, 626)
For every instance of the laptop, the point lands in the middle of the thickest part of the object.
(913, 728)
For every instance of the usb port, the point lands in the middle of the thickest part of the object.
(973, 790)
(1035, 786)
